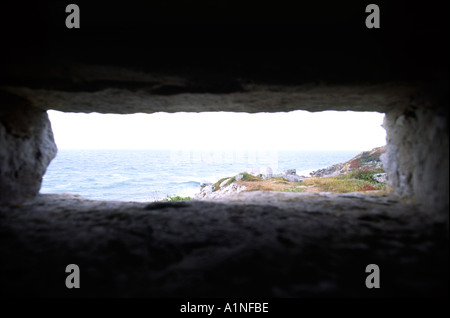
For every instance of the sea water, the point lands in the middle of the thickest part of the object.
(150, 175)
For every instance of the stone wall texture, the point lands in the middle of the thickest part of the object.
(26, 148)
(417, 157)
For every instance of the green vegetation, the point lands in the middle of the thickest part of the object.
(296, 187)
(367, 157)
(216, 186)
(342, 184)
(371, 156)
(356, 181)
(245, 177)
(279, 179)
(364, 173)
(176, 198)
(248, 177)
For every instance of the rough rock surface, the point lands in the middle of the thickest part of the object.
(290, 175)
(252, 98)
(26, 148)
(225, 190)
(380, 177)
(293, 178)
(258, 244)
(416, 159)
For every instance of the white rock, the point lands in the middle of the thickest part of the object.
(293, 178)
(266, 172)
(207, 194)
(205, 191)
(290, 172)
(380, 177)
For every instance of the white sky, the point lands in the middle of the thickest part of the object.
(297, 130)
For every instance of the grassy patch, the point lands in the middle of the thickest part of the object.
(372, 156)
(364, 173)
(176, 198)
(248, 177)
(342, 184)
(283, 180)
(266, 185)
(295, 188)
(366, 157)
(216, 186)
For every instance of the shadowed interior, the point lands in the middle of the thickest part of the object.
(258, 244)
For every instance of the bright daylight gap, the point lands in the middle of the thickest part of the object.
(148, 157)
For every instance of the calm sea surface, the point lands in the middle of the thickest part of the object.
(149, 175)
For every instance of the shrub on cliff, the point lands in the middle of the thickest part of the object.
(176, 198)
(363, 173)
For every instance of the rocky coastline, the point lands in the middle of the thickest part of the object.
(229, 186)
(367, 162)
